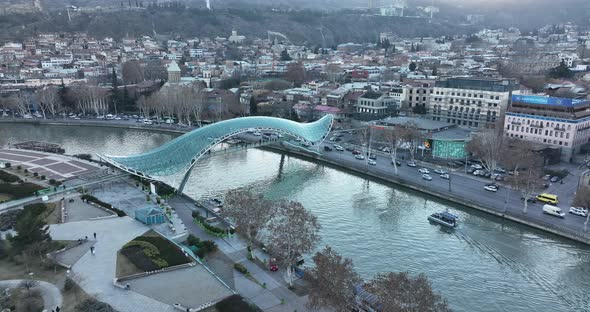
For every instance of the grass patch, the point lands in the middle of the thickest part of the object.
(5, 197)
(21, 190)
(125, 267)
(151, 252)
(52, 213)
(235, 303)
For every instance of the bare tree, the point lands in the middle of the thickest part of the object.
(411, 137)
(19, 104)
(528, 181)
(333, 72)
(582, 199)
(132, 72)
(293, 231)
(49, 101)
(400, 292)
(332, 281)
(488, 146)
(250, 212)
(295, 73)
(394, 138)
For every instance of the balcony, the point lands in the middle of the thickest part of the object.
(559, 129)
(536, 126)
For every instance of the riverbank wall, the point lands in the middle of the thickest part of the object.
(578, 236)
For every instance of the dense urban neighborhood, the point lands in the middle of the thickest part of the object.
(266, 171)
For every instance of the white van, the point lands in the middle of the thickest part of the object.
(554, 211)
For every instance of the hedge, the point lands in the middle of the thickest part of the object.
(9, 178)
(137, 256)
(108, 206)
(240, 268)
(21, 190)
(213, 230)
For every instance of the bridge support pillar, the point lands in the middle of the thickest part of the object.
(184, 180)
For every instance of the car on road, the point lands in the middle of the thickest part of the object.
(579, 211)
(372, 162)
(554, 179)
(332, 139)
(490, 188)
(476, 167)
(553, 211)
(439, 171)
(327, 149)
(338, 148)
(258, 134)
(424, 170)
(470, 170)
(373, 156)
(397, 162)
(445, 176)
(356, 152)
(547, 177)
(350, 149)
(359, 156)
(426, 177)
(531, 199)
(411, 164)
(493, 184)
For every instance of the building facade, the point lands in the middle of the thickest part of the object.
(471, 102)
(376, 104)
(558, 122)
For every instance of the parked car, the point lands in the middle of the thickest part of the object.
(445, 176)
(411, 164)
(356, 152)
(470, 170)
(579, 211)
(553, 211)
(397, 162)
(350, 149)
(490, 188)
(338, 148)
(373, 156)
(547, 177)
(424, 170)
(439, 171)
(332, 139)
(427, 177)
(359, 156)
(554, 179)
(476, 166)
(372, 162)
(327, 149)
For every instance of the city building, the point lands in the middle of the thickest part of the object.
(150, 216)
(375, 104)
(558, 122)
(472, 102)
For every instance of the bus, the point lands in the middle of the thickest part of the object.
(548, 198)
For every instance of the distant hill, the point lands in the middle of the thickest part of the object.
(302, 27)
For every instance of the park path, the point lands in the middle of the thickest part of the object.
(95, 273)
(51, 294)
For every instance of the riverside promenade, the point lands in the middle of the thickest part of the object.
(464, 189)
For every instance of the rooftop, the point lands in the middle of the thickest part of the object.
(372, 95)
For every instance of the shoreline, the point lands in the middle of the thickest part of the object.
(449, 196)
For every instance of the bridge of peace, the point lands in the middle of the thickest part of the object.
(178, 157)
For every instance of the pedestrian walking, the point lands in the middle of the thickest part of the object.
(95, 236)
(57, 309)
(92, 250)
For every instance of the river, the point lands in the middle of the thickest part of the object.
(486, 264)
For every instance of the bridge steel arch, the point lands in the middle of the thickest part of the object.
(181, 154)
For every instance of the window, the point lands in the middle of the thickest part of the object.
(567, 135)
(497, 97)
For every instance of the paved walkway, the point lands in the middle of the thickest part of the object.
(95, 273)
(51, 295)
(269, 298)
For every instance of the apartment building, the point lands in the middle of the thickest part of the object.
(471, 102)
(376, 104)
(558, 122)
(417, 96)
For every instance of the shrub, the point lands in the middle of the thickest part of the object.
(200, 253)
(195, 214)
(26, 171)
(136, 256)
(35, 174)
(192, 240)
(208, 246)
(87, 157)
(43, 177)
(240, 268)
(108, 206)
(158, 200)
(7, 177)
(19, 167)
(7, 165)
(208, 227)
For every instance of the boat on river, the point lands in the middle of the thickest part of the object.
(445, 218)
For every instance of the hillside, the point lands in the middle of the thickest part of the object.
(302, 27)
